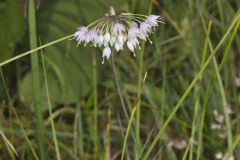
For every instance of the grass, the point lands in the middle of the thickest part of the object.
(50, 111)
(196, 78)
(36, 79)
(192, 65)
(18, 120)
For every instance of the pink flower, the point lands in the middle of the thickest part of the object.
(115, 31)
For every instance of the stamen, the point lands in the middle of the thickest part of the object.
(149, 40)
(134, 54)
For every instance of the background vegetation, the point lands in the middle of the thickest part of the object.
(60, 102)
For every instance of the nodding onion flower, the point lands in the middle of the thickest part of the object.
(113, 31)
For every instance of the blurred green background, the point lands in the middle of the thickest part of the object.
(89, 120)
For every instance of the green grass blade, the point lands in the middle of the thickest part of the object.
(8, 143)
(50, 111)
(36, 79)
(80, 140)
(220, 10)
(222, 92)
(226, 52)
(195, 125)
(127, 132)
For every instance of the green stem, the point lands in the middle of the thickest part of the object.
(121, 98)
(80, 132)
(36, 79)
(222, 92)
(34, 50)
(118, 87)
(95, 106)
(127, 132)
(138, 110)
(221, 12)
(50, 111)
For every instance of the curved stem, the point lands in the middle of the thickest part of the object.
(34, 50)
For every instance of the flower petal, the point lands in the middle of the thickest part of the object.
(130, 46)
(106, 52)
(118, 28)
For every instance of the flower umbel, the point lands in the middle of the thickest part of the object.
(113, 31)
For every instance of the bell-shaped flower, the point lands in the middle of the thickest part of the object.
(143, 36)
(117, 47)
(133, 31)
(132, 43)
(107, 38)
(145, 27)
(118, 28)
(106, 52)
(80, 34)
(153, 20)
(89, 36)
(112, 41)
(121, 39)
(100, 40)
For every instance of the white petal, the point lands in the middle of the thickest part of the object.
(100, 40)
(118, 28)
(95, 37)
(145, 27)
(88, 37)
(106, 52)
(112, 41)
(130, 46)
(121, 39)
(107, 38)
(153, 17)
(82, 38)
(133, 32)
(80, 34)
(143, 36)
(153, 20)
(134, 41)
(77, 34)
(117, 47)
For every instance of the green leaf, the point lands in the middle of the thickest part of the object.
(11, 26)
